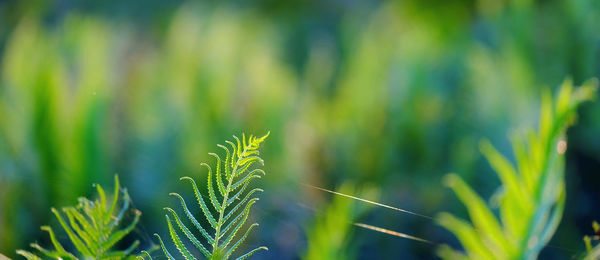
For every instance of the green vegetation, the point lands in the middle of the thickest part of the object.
(93, 228)
(388, 94)
(532, 198)
(229, 199)
(592, 252)
(332, 229)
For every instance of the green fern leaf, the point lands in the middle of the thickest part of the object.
(227, 195)
(533, 198)
(91, 228)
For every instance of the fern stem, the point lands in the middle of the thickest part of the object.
(225, 198)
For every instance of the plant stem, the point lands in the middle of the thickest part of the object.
(224, 204)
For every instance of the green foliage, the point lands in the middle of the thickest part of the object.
(388, 93)
(533, 192)
(92, 227)
(329, 236)
(592, 252)
(230, 203)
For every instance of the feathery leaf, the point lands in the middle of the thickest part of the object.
(92, 234)
(534, 198)
(231, 178)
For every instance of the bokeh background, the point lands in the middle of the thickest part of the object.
(380, 98)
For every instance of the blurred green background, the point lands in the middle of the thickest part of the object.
(384, 94)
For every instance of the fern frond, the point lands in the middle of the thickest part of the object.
(91, 228)
(533, 201)
(226, 188)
